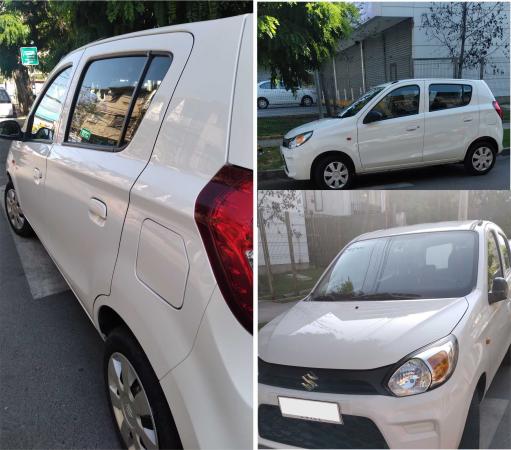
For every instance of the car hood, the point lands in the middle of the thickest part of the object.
(357, 335)
(316, 126)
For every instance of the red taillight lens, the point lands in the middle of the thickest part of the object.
(498, 109)
(224, 215)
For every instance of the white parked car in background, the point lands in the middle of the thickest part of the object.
(6, 107)
(136, 175)
(396, 345)
(269, 93)
(399, 125)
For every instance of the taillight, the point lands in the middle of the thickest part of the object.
(224, 215)
(497, 107)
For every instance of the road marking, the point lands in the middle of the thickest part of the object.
(42, 276)
(492, 411)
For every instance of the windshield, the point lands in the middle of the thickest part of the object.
(422, 265)
(359, 103)
(4, 97)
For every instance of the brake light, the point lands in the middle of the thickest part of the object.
(224, 215)
(497, 107)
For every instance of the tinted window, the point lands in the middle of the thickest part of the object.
(446, 96)
(403, 101)
(494, 267)
(152, 80)
(4, 97)
(423, 265)
(504, 251)
(48, 111)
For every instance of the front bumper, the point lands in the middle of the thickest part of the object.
(297, 162)
(435, 419)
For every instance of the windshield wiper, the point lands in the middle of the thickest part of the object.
(386, 296)
(330, 297)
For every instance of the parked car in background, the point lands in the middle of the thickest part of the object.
(269, 93)
(399, 125)
(136, 175)
(396, 345)
(7, 109)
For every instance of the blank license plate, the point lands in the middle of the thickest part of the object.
(310, 410)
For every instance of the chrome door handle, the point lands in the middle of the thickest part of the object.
(97, 208)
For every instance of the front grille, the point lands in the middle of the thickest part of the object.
(356, 432)
(332, 381)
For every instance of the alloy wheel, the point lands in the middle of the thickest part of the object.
(482, 159)
(14, 212)
(336, 175)
(130, 404)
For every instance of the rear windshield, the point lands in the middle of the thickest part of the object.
(4, 97)
(413, 266)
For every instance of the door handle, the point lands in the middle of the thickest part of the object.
(467, 119)
(37, 174)
(97, 209)
(413, 128)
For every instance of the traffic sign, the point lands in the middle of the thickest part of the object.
(29, 56)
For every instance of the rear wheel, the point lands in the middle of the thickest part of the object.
(334, 172)
(480, 158)
(307, 100)
(262, 103)
(139, 409)
(15, 215)
(470, 437)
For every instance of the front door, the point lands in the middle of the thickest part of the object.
(396, 139)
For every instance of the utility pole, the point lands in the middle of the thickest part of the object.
(462, 38)
(318, 93)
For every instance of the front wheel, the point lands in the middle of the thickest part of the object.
(262, 103)
(140, 411)
(471, 432)
(480, 158)
(334, 172)
(15, 215)
(307, 101)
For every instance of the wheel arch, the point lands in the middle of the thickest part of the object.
(109, 320)
(326, 154)
(483, 139)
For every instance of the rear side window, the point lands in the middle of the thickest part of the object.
(403, 101)
(504, 251)
(446, 96)
(494, 267)
(4, 97)
(113, 98)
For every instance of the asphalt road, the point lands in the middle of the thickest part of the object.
(53, 394)
(451, 176)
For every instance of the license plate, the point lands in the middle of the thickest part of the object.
(310, 410)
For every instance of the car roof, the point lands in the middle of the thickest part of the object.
(423, 228)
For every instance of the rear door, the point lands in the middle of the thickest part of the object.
(117, 106)
(452, 120)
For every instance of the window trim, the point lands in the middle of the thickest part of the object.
(450, 84)
(388, 93)
(502, 256)
(149, 55)
(39, 99)
(493, 235)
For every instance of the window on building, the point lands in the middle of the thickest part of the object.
(403, 101)
(446, 96)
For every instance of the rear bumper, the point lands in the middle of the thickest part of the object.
(210, 392)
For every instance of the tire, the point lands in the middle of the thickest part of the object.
(480, 158)
(262, 103)
(337, 165)
(153, 410)
(307, 101)
(471, 432)
(15, 216)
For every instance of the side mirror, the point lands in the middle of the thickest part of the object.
(499, 290)
(373, 116)
(10, 130)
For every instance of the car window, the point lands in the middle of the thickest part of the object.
(359, 103)
(419, 265)
(504, 251)
(401, 102)
(446, 96)
(104, 97)
(47, 113)
(4, 97)
(266, 85)
(494, 267)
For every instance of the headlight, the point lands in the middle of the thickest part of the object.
(299, 139)
(426, 369)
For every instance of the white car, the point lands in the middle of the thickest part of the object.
(269, 93)
(399, 125)
(135, 172)
(396, 345)
(6, 107)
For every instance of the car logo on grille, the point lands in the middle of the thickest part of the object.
(309, 381)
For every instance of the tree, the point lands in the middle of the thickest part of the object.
(471, 32)
(294, 38)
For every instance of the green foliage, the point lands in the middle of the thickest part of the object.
(13, 31)
(295, 38)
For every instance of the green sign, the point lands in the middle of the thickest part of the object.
(85, 133)
(29, 56)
